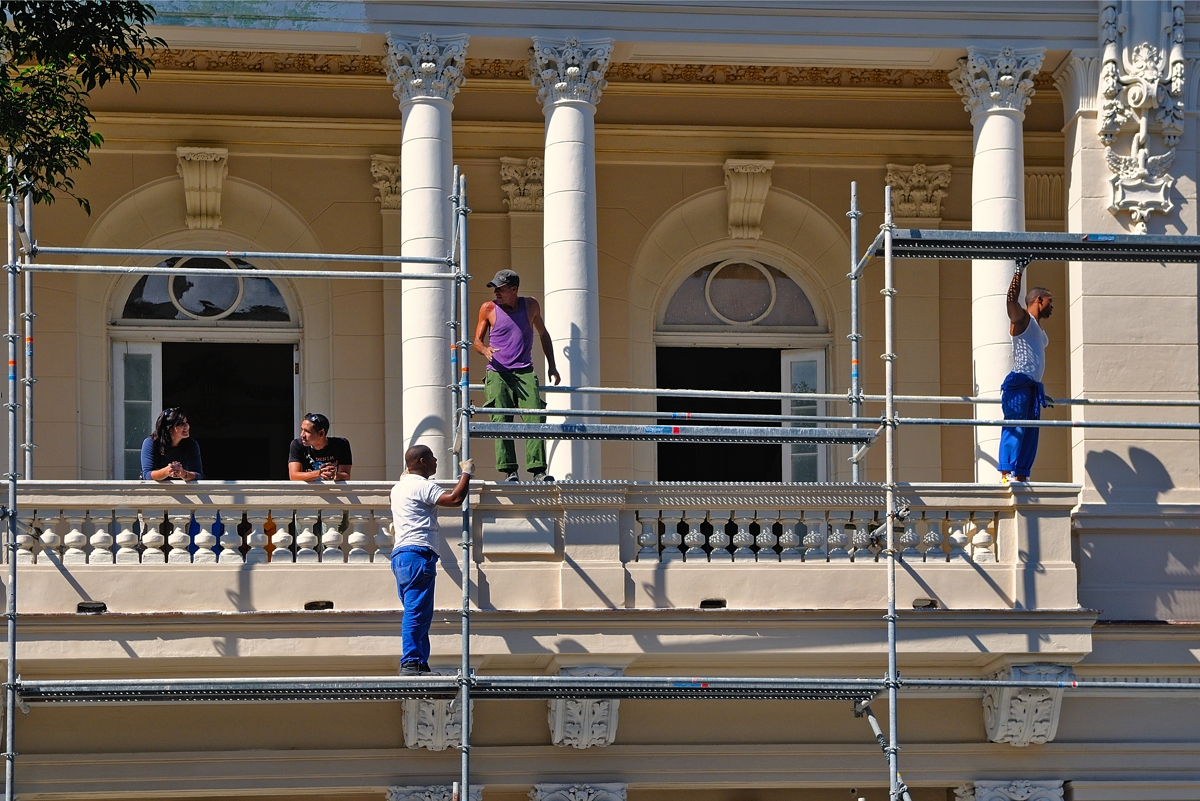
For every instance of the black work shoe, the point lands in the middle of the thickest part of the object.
(424, 668)
(512, 477)
(540, 475)
(410, 668)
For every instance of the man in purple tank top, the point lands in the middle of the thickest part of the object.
(504, 336)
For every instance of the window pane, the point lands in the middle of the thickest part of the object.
(137, 423)
(804, 462)
(261, 302)
(205, 295)
(804, 455)
(137, 377)
(792, 306)
(154, 297)
(688, 306)
(740, 292)
(133, 465)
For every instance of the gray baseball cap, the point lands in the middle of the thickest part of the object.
(504, 278)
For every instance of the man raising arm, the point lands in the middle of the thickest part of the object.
(1022, 395)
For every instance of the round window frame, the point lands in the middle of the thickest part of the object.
(237, 301)
(770, 283)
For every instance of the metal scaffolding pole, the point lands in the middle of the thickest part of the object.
(462, 345)
(855, 335)
(27, 316)
(11, 268)
(274, 255)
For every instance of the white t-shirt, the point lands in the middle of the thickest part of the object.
(1029, 350)
(414, 511)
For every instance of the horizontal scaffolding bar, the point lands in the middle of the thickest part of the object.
(958, 421)
(727, 434)
(924, 244)
(38, 250)
(765, 418)
(373, 275)
(396, 688)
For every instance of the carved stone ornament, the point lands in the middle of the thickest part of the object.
(521, 180)
(203, 170)
(746, 185)
(386, 172)
(428, 67)
(918, 191)
(1044, 193)
(569, 70)
(964, 792)
(584, 722)
(430, 792)
(578, 792)
(435, 725)
(1018, 791)
(1142, 75)
(990, 80)
(1022, 716)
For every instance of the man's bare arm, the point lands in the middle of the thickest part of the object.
(486, 312)
(539, 325)
(455, 496)
(1018, 317)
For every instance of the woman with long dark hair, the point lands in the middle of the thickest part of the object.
(170, 452)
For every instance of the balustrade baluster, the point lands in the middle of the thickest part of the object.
(153, 539)
(26, 541)
(75, 540)
(384, 539)
(180, 538)
(815, 536)
(256, 537)
(718, 540)
(306, 537)
(860, 538)
(50, 540)
(957, 523)
(766, 539)
(840, 532)
(648, 539)
(743, 540)
(356, 537)
(101, 552)
(671, 538)
(789, 540)
(331, 537)
(694, 539)
(982, 540)
(205, 540)
(933, 539)
(910, 539)
(127, 538)
(282, 538)
(231, 541)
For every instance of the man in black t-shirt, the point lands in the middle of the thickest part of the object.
(315, 455)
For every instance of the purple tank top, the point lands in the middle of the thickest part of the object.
(512, 337)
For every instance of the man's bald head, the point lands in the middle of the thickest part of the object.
(417, 454)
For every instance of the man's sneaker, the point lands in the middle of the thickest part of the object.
(540, 475)
(410, 668)
(424, 668)
(512, 477)
(1005, 478)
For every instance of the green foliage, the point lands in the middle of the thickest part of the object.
(56, 54)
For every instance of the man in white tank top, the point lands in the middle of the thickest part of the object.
(1022, 394)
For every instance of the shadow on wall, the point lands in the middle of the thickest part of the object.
(1140, 480)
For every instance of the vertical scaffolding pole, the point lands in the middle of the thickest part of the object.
(27, 316)
(892, 680)
(855, 335)
(10, 684)
(464, 380)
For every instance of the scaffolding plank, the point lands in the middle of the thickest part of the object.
(736, 434)
(924, 244)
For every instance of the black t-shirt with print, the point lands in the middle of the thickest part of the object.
(337, 449)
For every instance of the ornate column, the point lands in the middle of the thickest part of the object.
(611, 791)
(385, 170)
(426, 73)
(917, 195)
(569, 76)
(995, 86)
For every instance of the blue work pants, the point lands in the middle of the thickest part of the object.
(415, 569)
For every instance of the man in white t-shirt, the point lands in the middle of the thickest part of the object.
(1022, 395)
(415, 500)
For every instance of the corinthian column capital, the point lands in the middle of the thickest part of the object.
(992, 80)
(570, 69)
(425, 67)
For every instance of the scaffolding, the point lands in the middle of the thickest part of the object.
(856, 430)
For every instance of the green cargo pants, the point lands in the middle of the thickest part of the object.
(516, 389)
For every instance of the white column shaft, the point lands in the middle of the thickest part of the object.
(997, 204)
(426, 175)
(572, 299)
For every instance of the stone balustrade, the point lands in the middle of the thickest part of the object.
(579, 545)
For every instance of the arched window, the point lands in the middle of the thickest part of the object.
(739, 292)
(175, 295)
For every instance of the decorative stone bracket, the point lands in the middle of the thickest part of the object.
(1023, 716)
(578, 792)
(203, 170)
(430, 792)
(1020, 790)
(521, 180)
(435, 725)
(584, 722)
(918, 191)
(746, 185)
(386, 172)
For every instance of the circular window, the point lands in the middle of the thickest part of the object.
(740, 292)
(205, 297)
